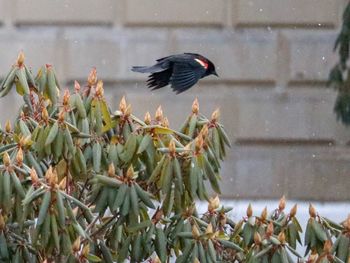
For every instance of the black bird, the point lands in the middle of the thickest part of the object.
(182, 71)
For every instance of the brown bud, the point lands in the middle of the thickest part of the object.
(199, 143)
(195, 232)
(159, 114)
(19, 157)
(20, 58)
(204, 131)
(165, 122)
(249, 210)
(128, 110)
(215, 116)
(76, 245)
(63, 184)
(172, 148)
(66, 97)
(61, 116)
(45, 115)
(313, 257)
(156, 260)
(86, 250)
(6, 159)
(327, 247)
(148, 118)
(34, 176)
(282, 237)
(269, 230)
(76, 86)
(111, 170)
(282, 203)
(99, 89)
(347, 223)
(122, 105)
(209, 229)
(51, 177)
(214, 203)
(92, 79)
(195, 106)
(312, 211)
(293, 211)
(130, 172)
(257, 238)
(264, 214)
(8, 126)
(2, 222)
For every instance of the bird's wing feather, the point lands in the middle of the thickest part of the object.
(185, 75)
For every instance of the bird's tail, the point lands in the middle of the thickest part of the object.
(145, 69)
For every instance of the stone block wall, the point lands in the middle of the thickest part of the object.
(273, 58)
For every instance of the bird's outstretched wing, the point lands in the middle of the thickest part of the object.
(159, 80)
(185, 75)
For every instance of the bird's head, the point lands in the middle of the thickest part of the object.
(211, 69)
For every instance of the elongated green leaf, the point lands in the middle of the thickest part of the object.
(44, 208)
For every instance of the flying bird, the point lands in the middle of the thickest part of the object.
(181, 71)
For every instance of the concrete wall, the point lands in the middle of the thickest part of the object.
(273, 58)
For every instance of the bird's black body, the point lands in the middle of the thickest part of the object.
(180, 71)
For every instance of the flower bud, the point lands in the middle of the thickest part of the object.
(130, 172)
(199, 143)
(257, 238)
(66, 97)
(111, 170)
(76, 245)
(148, 118)
(312, 211)
(8, 126)
(99, 89)
(249, 210)
(195, 232)
(269, 230)
(2, 222)
(20, 58)
(282, 203)
(128, 110)
(159, 114)
(327, 247)
(6, 159)
(215, 116)
(264, 214)
(92, 79)
(45, 115)
(172, 148)
(195, 106)
(86, 250)
(214, 203)
(19, 157)
(282, 237)
(293, 211)
(165, 122)
(61, 116)
(204, 131)
(34, 176)
(156, 260)
(209, 229)
(76, 86)
(63, 184)
(196, 260)
(122, 105)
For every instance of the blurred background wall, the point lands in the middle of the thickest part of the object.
(273, 58)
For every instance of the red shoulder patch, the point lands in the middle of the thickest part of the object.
(203, 63)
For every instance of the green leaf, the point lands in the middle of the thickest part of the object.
(44, 208)
(23, 88)
(93, 258)
(52, 134)
(146, 140)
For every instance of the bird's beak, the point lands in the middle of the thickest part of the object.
(216, 74)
